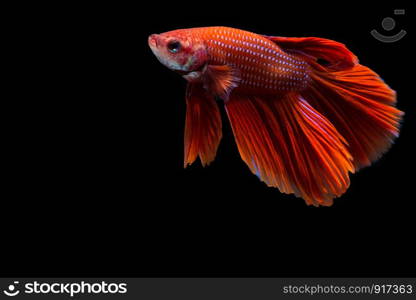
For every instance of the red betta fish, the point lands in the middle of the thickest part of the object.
(303, 111)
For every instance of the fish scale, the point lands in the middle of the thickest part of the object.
(262, 65)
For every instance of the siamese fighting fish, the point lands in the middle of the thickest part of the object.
(304, 112)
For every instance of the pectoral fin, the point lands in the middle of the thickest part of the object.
(221, 80)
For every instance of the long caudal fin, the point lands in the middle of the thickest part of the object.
(351, 96)
(289, 145)
(361, 107)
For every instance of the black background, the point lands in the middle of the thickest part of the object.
(95, 184)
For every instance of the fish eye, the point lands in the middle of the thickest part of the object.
(174, 46)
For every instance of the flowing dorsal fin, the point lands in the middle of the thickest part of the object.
(335, 56)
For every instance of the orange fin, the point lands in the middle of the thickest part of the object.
(289, 145)
(203, 130)
(335, 54)
(361, 107)
(221, 80)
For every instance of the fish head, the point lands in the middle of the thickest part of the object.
(180, 51)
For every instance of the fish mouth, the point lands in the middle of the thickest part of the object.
(153, 40)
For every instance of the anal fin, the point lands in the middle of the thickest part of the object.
(289, 145)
